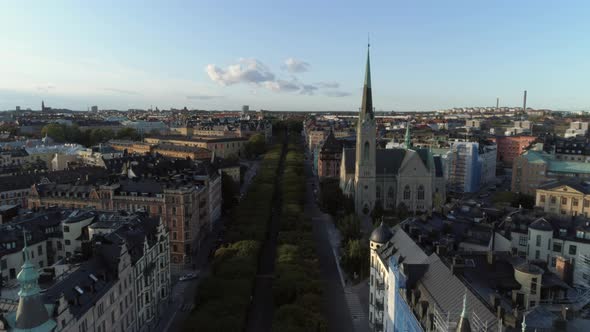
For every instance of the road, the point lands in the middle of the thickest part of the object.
(183, 292)
(336, 300)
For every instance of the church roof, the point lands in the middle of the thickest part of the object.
(389, 161)
(331, 144)
(438, 167)
(424, 153)
(349, 159)
(381, 234)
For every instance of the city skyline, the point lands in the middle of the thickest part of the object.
(293, 58)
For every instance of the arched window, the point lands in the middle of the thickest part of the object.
(366, 151)
(390, 203)
(407, 192)
(421, 192)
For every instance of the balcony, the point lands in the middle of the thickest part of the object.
(380, 285)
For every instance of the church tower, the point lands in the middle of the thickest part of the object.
(31, 314)
(364, 174)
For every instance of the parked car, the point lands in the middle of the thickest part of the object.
(189, 276)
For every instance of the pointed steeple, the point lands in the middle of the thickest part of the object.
(31, 314)
(367, 103)
(464, 325)
(523, 325)
(408, 139)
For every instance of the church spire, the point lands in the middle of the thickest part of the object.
(463, 325)
(408, 139)
(31, 313)
(367, 103)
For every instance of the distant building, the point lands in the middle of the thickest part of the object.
(533, 168)
(510, 147)
(564, 197)
(389, 177)
(576, 128)
(94, 108)
(469, 165)
(121, 284)
(330, 155)
(181, 202)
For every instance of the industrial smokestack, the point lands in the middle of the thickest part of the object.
(524, 102)
(497, 103)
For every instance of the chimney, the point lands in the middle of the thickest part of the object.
(497, 103)
(524, 102)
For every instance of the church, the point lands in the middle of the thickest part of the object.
(389, 177)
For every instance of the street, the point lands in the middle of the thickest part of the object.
(182, 299)
(342, 307)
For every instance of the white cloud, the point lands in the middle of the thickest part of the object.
(245, 71)
(283, 86)
(337, 94)
(329, 85)
(293, 65)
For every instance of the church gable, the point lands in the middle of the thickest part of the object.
(389, 161)
(413, 165)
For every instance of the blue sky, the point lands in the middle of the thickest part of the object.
(294, 55)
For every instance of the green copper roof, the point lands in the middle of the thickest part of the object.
(556, 166)
(536, 156)
(408, 140)
(559, 166)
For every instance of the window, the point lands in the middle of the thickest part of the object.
(562, 232)
(564, 200)
(67, 242)
(378, 193)
(407, 192)
(537, 254)
(66, 229)
(572, 250)
(556, 247)
(553, 261)
(421, 192)
(3, 264)
(553, 200)
(574, 202)
(580, 234)
(367, 151)
(40, 250)
(587, 203)
(522, 240)
(534, 286)
(542, 199)
(538, 240)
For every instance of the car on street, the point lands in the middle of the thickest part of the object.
(189, 276)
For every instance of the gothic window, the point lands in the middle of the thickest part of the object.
(366, 151)
(421, 192)
(407, 192)
(390, 197)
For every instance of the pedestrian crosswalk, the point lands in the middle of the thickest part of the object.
(356, 311)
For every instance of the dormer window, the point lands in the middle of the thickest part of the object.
(562, 232)
(580, 234)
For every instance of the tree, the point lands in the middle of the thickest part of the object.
(229, 190)
(54, 130)
(127, 133)
(377, 212)
(256, 145)
(349, 227)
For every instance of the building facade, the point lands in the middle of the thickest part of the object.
(389, 177)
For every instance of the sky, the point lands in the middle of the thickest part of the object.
(294, 55)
